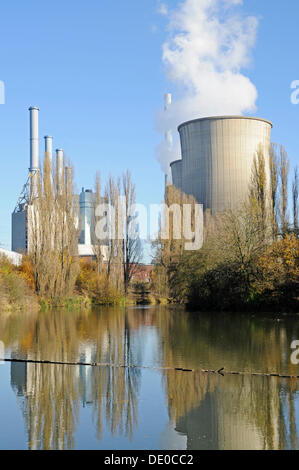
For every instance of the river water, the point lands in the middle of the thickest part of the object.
(45, 406)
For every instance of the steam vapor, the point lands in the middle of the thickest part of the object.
(207, 47)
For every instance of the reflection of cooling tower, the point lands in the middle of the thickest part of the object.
(217, 158)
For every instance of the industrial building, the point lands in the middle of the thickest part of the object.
(84, 203)
(217, 159)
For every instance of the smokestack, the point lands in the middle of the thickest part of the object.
(59, 167)
(34, 151)
(49, 148)
(34, 147)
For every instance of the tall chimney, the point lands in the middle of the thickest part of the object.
(34, 152)
(49, 148)
(34, 147)
(59, 167)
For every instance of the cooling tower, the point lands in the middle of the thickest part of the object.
(217, 159)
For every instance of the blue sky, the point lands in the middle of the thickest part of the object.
(94, 68)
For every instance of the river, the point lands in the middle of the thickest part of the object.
(150, 406)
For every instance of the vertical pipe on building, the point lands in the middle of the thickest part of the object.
(49, 149)
(34, 147)
(34, 151)
(59, 168)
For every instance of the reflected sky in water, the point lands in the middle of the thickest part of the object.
(84, 407)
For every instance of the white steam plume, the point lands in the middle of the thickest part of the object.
(208, 46)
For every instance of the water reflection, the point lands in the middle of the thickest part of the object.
(213, 412)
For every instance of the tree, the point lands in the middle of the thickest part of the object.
(131, 246)
(258, 190)
(274, 180)
(284, 174)
(169, 248)
(295, 191)
(278, 272)
(97, 244)
(114, 228)
(52, 233)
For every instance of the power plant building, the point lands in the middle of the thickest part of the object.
(217, 159)
(84, 203)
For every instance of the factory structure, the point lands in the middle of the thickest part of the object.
(84, 203)
(217, 159)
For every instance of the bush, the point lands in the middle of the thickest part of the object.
(95, 285)
(224, 287)
(278, 273)
(14, 290)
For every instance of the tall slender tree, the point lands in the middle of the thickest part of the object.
(295, 192)
(284, 176)
(274, 180)
(52, 233)
(132, 250)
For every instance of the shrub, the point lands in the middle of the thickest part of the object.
(14, 290)
(95, 285)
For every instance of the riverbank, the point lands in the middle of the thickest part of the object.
(15, 294)
(203, 292)
(85, 301)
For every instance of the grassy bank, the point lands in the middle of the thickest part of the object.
(15, 293)
(17, 290)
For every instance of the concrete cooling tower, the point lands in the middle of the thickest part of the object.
(217, 159)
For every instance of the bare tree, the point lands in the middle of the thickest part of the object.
(131, 246)
(262, 191)
(97, 244)
(114, 242)
(284, 175)
(274, 180)
(52, 234)
(259, 183)
(295, 191)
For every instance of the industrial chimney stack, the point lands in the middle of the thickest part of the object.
(34, 147)
(49, 148)
(34, 151)
(59, 168)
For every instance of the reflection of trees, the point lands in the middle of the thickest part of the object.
(215, 411)
(255, 412)
(49, 394)
(116, 389)
(116, 398)
(49, 405)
